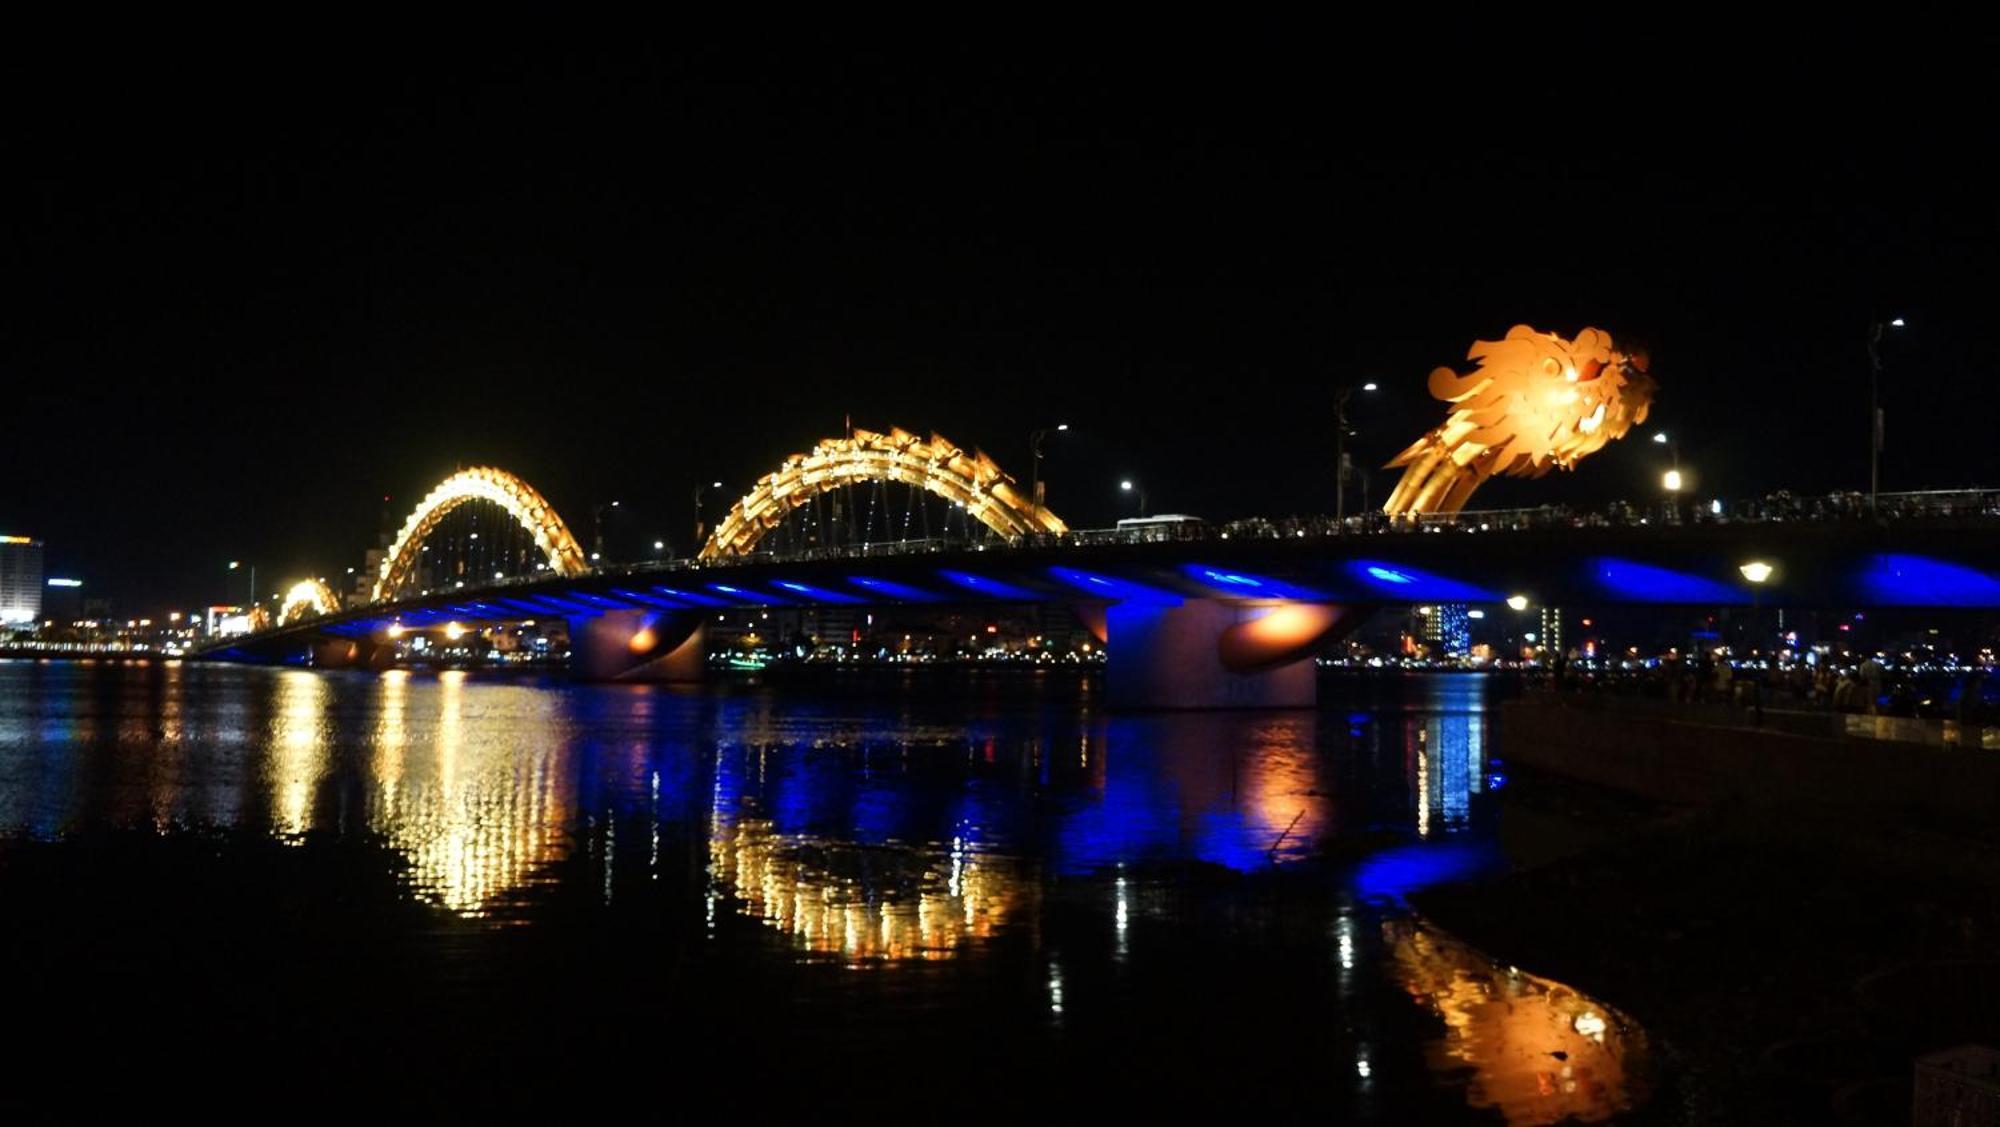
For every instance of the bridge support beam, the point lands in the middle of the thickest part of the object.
(1210, 653)
(637, 645)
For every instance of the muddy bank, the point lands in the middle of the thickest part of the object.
(1788, 967)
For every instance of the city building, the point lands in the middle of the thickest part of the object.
(20, 580)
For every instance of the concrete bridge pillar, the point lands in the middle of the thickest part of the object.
(638, 645)
(1208, 653)
(351, 653)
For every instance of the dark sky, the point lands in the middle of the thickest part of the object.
(249, 297)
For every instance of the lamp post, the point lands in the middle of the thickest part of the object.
(252, 600)
(1875, 332)
(1035, 438)
(1673, 480)
(1340, 399)
(1758, 573)
(701, 529)
(1128, 486)
(597, 528)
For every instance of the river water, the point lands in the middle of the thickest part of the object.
(947, 893)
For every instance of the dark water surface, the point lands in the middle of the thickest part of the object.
(939, 895)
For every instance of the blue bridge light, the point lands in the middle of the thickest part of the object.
(1112, 587)
(1244, 584)
(817, 594)
(1895, 579)
(1405, 583)
(892, 589)
(991, 588)
(1645, 583)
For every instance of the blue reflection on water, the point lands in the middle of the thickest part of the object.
(1022, 772)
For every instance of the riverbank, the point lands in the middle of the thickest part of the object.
(1788, 967)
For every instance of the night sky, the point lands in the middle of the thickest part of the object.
(251, 293)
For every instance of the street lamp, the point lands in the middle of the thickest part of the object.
(237, 564)
(1035, 438)
(1875, 408)
(1673, 481)
(1127, 486)
(700, 529)
(597, 527)
(1758, 573)
(1340, 399)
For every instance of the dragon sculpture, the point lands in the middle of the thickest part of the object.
(1536, 402)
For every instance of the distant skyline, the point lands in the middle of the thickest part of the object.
(252, 296)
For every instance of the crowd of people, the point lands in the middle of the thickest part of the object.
(1871, 685)
(1782, 506)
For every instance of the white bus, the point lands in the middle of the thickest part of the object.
(1166, 526)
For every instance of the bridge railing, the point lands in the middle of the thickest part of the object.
(1776, 508)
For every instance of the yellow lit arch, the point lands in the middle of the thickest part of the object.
(968, 479)
(480, 483)
(308, 598)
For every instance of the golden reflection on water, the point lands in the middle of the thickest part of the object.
(914, 903)
(1538, 1051)
(475, 818)
(298, 748)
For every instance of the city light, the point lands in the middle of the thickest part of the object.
(65, 582)
(1756, 571)
(1517, 602)
(1671, 480)
(454, 631)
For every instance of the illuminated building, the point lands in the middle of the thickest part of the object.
(62, 600)
(20, 580)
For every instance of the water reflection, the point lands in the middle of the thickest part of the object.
(478, 816)
(1538, 1051)
(872, 834)
(866, 904)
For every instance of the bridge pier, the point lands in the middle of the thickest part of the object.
(1211, 653)
(351, 653)
(638, 645)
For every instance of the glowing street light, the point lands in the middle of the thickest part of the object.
(1340, 467)
(1127, 486)
(1517, 602)
(701, 529)
(235, 565)
(1757, 571)
(1035, 438)
(1875, 408)
(1671, 480)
